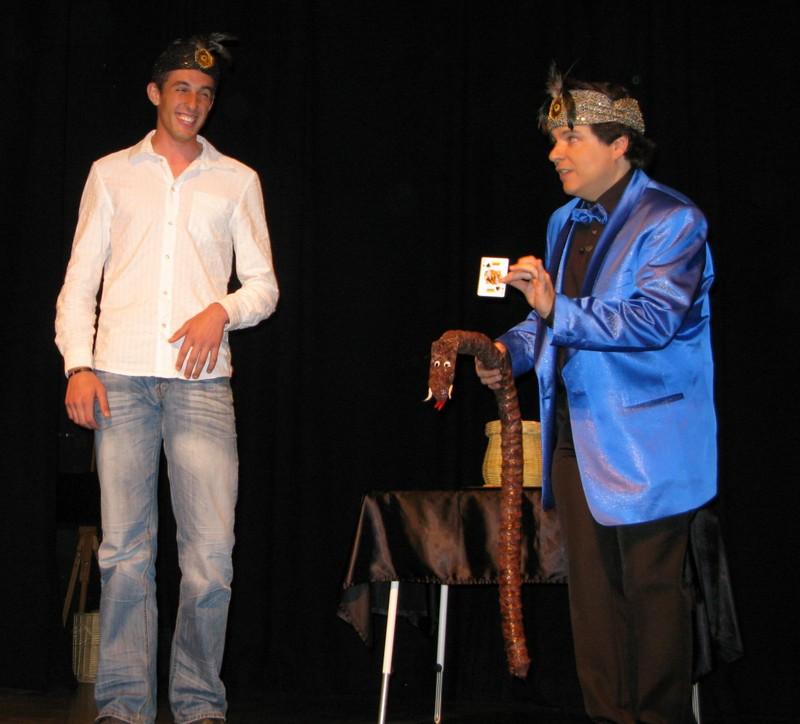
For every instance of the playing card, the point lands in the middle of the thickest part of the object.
(493, 269)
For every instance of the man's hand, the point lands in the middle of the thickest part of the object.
(490, 376)
(531, 278)
(83, 389)
(202, 336)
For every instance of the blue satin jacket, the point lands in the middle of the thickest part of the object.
(638, 368)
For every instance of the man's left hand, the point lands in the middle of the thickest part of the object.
(202, 336)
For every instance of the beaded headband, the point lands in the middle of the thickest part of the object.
(590, 107)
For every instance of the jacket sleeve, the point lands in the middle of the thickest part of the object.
(520, 341)
(647, 303)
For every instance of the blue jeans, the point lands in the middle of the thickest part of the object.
(195, 422)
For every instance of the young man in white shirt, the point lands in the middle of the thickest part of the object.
(159, 226)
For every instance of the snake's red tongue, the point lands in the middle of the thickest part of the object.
(439, 404)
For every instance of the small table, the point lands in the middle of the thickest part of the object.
(442, 537)
(449, 537)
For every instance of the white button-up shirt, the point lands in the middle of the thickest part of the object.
(162, 248)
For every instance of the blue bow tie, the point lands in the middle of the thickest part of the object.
(595, 212)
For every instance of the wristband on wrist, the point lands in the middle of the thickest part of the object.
(75, 370)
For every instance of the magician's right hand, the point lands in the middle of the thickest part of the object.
(83, 389)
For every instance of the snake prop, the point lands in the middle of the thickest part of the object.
(440, 385)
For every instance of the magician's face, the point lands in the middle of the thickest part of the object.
(183, 103)
(586, 166)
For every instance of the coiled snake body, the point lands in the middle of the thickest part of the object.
(444, 352)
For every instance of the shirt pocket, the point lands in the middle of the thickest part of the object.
(209, 219)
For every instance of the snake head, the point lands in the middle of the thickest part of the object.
(441, 372)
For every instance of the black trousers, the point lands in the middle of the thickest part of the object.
(630, 609)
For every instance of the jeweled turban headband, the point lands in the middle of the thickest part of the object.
(590, 107)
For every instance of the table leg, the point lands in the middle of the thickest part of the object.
(696, 703)
(437, 707)
(388, 648)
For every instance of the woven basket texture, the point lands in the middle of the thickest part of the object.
(85, 646)
(531, 455)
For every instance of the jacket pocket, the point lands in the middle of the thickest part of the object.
(652, 402)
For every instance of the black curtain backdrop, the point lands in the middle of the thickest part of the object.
(397, 144)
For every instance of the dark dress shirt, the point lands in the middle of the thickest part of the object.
(581, 249)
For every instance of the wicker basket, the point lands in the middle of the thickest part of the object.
(85, 646)
(531, 455)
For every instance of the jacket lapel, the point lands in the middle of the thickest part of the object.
(555, 270)
(629, 199)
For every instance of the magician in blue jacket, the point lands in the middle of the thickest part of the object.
(619, 338)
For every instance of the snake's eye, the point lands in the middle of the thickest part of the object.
(447, 364)
(436, 363)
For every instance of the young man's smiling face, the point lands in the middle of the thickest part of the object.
(586, 166)
(183, 103)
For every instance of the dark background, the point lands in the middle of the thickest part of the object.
(397, 144)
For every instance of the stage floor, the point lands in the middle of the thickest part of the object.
(77, 707)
